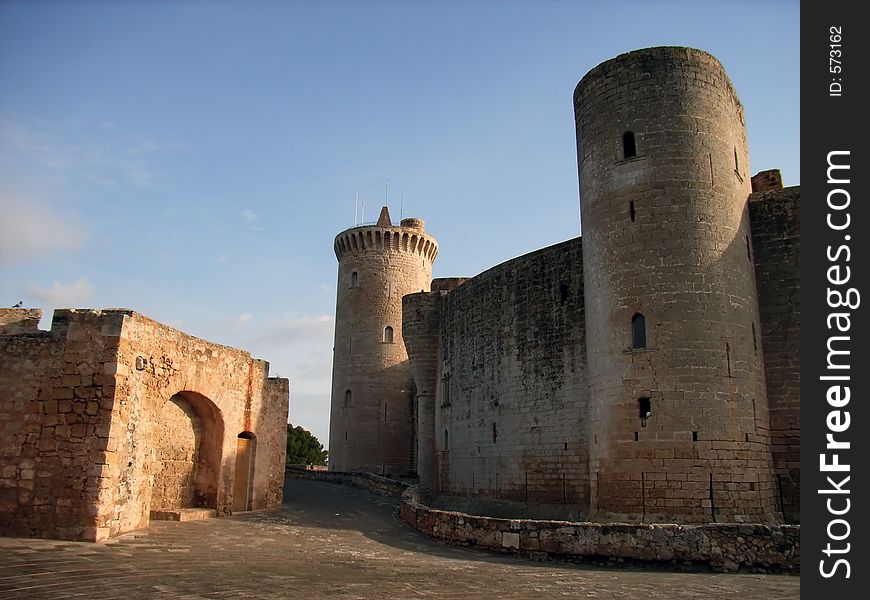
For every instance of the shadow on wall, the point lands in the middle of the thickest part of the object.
(189, 448)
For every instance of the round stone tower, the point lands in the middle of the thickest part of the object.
(373, 414)
(678, 419)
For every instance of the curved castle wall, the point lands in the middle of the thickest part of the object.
(664, 182)
(509, 387)
(373, 411)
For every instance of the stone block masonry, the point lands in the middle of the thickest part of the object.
(111, 415)
(722, 547)
(776, 242)
(506, 386)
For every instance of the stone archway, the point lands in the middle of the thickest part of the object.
(189, 442)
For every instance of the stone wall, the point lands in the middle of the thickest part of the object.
(421, 325)
(510, 401)
(56, 399)
(360, 479)
(88, 437)
(725, 547)
(775, 216)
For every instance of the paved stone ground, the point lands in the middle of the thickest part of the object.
(329, 541)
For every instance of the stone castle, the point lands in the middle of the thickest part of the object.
(648, 371)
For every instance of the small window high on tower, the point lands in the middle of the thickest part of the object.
(629, 149)
(388, 334)
(638, 331)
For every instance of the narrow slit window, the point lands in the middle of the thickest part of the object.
(644, 409)
(748, 249)
(754, 339)
(446, 440)
(728, 358)
(388, 334)
(638, 331)
(347, 397)
(354, 279)
(736, 163)
(631, 211)
(563, 292)
(629, 148)
(494, 432)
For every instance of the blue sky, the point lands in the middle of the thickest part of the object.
(193, 161)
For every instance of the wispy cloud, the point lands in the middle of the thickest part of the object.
(245, 318)
(97, 154)
(250, 218)
(40, 145)
(62, 295)
(31, 230)
(142, 146)
(292, 327)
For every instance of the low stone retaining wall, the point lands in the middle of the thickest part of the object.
(367, 481)
(720, 546)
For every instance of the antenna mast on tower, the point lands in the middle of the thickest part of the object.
(355, 208)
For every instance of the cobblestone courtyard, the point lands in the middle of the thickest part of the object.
(329, 541)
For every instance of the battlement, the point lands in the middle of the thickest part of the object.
(383, 236)
(17, 321)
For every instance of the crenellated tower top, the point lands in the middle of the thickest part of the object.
(409, 236)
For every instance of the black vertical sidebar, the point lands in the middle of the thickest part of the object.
(835, 301)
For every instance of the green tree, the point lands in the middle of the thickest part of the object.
(303, 448)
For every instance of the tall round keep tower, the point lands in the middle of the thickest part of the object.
(372, 424)
(678, 419)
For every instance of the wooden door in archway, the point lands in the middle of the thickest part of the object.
(243, 486)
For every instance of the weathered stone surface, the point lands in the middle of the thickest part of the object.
(725, 547)
(14, 321)
(372, 412)
(111, 414)
(665, 235)
(776, 241)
